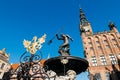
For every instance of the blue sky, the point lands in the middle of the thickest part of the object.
(23, 19)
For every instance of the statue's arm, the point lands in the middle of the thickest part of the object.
(70, 37)
(58, 37)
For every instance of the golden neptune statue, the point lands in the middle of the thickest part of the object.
(34, 45)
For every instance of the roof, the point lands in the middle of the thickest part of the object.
(15, 66)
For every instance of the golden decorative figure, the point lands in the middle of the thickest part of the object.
(34, 45)
(42, 39)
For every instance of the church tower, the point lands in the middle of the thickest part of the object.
(102, 50)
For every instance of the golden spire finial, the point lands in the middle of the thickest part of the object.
(34, 45)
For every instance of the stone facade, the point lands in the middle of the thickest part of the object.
(4, 65)
(101, 49)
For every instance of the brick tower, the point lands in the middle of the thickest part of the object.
(102, 50)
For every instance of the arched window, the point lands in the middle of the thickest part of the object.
(105, 39)
(94, 61)
(3, 65)
(113, 59)
(89, 41)
(97, 40)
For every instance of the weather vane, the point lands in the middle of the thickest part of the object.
(34, 45)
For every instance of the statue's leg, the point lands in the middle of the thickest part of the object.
(60, 51)
(63, 45)
(67, 49)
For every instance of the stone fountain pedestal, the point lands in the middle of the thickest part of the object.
(61, 65)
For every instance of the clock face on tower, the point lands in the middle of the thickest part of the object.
(86, 28)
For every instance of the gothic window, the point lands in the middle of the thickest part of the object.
(113, 39)
(94, 61)
(107, 46)
(2, 66)
(90, 43)
(99, 47)
(91, 48)
(113, 59)
(105, 38)
(107, 74)
(96, 39)
(105, 41)
(97, 42)
(103, 60)
(98, 76)
(115, 45)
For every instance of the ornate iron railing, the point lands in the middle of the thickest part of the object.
(30, 68)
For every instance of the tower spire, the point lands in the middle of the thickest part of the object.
(85, 27)
(83, 20)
